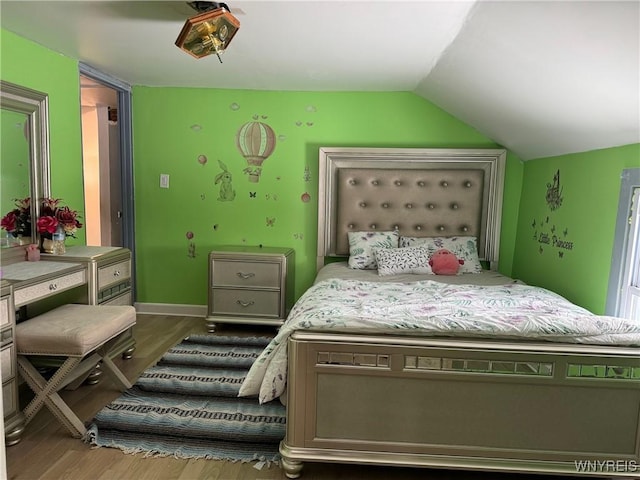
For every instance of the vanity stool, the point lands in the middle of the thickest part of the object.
(78, 335)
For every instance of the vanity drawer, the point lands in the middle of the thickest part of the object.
(4, 312)
(229, 301)
(246, 274)
(6, 336)
(44, 289)
(9, 398)
(121, 300)
(6, 362)
(110, 274)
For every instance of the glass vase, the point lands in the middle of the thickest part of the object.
(58, 247)
(23, 240)
(47, 244)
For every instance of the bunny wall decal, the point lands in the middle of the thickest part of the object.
(227, 193)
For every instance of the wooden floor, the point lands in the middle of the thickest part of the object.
(47, 451)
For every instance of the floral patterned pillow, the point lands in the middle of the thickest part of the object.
(393, 261)
(361, 255)
(465, 248)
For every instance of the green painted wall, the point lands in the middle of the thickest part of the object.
(34, 66)
(174, 127)
(568, 249)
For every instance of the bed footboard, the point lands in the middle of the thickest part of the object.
(547, 408)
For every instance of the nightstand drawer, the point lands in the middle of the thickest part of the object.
(23, 296)
(115, 273)
(229, 301)
(231, 273)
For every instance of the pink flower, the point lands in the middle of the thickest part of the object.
(49, 205)
(69, 219)
(9, 221)
(23, 204)
(47, 224)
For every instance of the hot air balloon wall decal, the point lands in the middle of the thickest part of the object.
(255, 141)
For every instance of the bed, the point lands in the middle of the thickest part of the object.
(447, 371)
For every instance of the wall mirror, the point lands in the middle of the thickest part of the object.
(24, 170)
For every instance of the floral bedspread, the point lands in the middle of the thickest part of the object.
(430, 308)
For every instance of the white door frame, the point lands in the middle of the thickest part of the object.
(126, 157)
(625, 260)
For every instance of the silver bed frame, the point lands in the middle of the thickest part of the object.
(444, 402)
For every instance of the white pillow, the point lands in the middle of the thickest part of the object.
(465, 248)
(361, 255)
(393, 261)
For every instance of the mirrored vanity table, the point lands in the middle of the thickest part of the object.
(87, 275)
(24, 173)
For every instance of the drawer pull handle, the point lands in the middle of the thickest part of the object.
(116, 273)
(245, 276)
(53, 286)
(245, 304)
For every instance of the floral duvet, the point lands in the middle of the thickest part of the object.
(430, 308)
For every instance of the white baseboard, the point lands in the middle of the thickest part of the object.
(172, 309)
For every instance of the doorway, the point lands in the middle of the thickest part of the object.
(107, 161)
(101, 163)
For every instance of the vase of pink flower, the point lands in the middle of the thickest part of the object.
(17, 222)
(56, 222)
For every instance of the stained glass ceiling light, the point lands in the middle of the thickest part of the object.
(209, 32)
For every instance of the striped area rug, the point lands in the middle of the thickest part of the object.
(187, 406)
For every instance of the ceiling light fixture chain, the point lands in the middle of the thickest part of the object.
(202, 7)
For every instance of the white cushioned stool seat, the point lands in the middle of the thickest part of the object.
(79, 335)
(72, 330)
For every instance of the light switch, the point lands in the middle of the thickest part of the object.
(164, 180)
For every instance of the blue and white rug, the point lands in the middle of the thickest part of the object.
(186, 406)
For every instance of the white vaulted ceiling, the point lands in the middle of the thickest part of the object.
(541, 78)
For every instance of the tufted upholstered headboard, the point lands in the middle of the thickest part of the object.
(420, 192)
